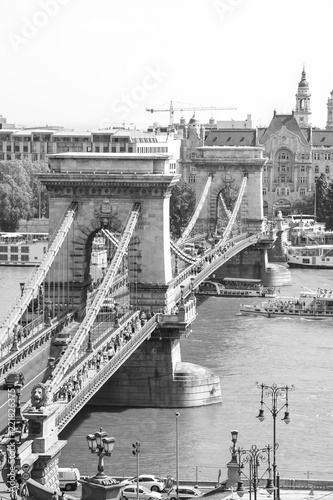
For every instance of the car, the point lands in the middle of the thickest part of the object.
(13, 379)
(68, 478)
(184, 492)
(129, 492)
(63, 338)
(153, 483)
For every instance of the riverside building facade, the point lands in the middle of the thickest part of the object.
(297, 153)
(38, 144)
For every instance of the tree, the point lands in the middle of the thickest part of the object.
(20, 192)
(182, 206)
(328, 207)
(321, 198)
(304, 206)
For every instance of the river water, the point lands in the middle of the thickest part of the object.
(241, 350)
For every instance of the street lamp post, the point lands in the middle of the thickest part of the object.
(177, 415)
(136, 453)
(274, 393)
(254, 456)
(102, 445)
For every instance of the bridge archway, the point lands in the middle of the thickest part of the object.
(105, 188)
(228, 165)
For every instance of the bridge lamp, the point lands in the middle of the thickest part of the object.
(102, 445)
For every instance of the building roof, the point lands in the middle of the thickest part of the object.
(279, 121)
(322, 138)
(231, 137)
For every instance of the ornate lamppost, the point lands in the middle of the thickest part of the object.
(274, 393)
(102, 445)
(14, 344)
(177, 415)
(253, 457)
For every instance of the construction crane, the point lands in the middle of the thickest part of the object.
(171, 109)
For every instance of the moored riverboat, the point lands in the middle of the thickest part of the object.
(236, 287)
(309, 304)
(22, 249)
(320, 256)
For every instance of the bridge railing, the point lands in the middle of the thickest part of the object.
(87, 357)
(210, 261)
(104, 374)
(31, 343)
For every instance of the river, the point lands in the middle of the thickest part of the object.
(241, 350)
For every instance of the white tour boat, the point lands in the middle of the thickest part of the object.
(309, 304)
(22, 249)
(236, 287)
(310, 256)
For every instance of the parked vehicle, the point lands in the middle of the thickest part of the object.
(12, 379)
(68, 478)
(151, 482)
(63, 338)
(184, 492)
(129, 492)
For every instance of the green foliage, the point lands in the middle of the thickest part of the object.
(321, 198)
(182, 206)
(21, 193)
(304, 206)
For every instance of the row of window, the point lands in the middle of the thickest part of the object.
(160, 149)
(14, 258)
(284, 191)
(324, 156)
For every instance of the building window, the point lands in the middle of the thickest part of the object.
(278, 191)
(327, 169)
(327, 156)
(130, 149)
(287, 191)
(283, 156)
(302, 192)
(302, 169)
(191, 179)
(316, 169)
(316, 156)
(96, 149)
(105, 149)
(303, 180)
(264, 192)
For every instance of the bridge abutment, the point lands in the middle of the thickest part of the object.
(252, 263)
(155, 376)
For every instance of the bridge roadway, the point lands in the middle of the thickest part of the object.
(183, 285)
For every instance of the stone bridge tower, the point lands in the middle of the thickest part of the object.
(105, 187)
(228, 166)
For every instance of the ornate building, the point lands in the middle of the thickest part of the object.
(297, 153)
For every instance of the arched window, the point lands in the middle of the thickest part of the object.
(316, 169)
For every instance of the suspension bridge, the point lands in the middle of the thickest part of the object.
(149, 279)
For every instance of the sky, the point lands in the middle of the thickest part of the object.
(87, 64)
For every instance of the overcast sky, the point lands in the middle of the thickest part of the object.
(86, 63)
